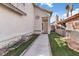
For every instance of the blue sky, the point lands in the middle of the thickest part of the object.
(59, 9)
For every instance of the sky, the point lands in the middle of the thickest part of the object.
(59, 9)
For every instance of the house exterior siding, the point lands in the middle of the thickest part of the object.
(38, 22)
(13, 25)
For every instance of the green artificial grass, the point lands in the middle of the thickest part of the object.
(60, 48)
(22, 47)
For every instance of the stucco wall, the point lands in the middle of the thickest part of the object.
(38, 22)
(73, 29)
(61, 31)
(74, 35)
(13, 24)
(69, 25)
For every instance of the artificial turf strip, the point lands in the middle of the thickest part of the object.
(22, 47)
(60, 48)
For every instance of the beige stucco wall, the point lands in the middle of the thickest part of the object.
(38, 22)
(13, 24)
(69, 24)
(60, 31)
(73, 33)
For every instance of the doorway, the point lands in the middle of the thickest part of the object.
(44, 25)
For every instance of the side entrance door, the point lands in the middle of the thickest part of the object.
(45, 26)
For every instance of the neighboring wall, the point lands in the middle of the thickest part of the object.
(74, 35)
(52, 28)
(73, 32)
(69, 26)
(13, 24)
(60, 31)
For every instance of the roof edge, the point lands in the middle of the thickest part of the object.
(69, 18)
(48, 11)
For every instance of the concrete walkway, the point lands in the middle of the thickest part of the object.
(40, 47)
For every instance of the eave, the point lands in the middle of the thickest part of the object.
(72, 18)
(48, 11)
(12, 7)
